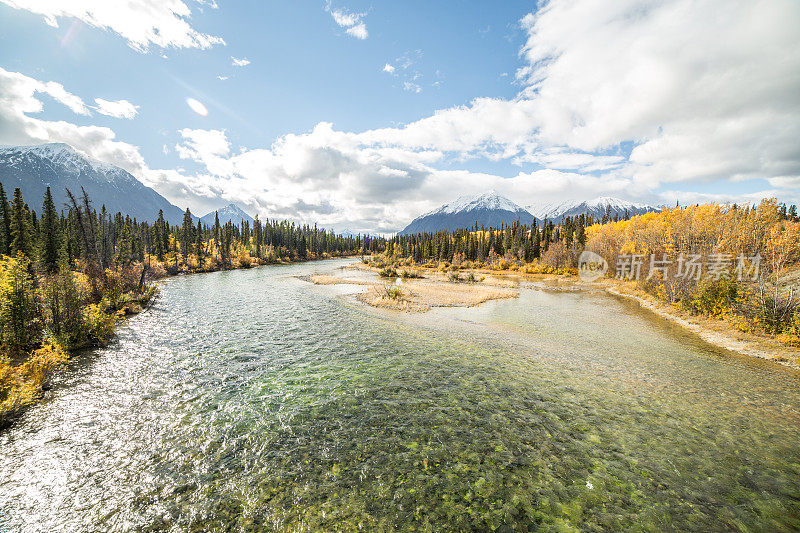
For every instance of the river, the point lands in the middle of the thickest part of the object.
(254, 400)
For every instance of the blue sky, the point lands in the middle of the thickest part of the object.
(573, 101)
(303, 69)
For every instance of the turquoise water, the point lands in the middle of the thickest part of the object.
(253, 400)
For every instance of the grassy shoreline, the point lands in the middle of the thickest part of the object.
(714, 331)
(25, 382)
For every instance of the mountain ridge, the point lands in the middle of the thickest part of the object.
(598, 207)
(229, 213)
(58, 165)
(489, 209)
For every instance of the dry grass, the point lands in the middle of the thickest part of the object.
(379, 296)
(421, 296)
(333, 280)
(714, 331)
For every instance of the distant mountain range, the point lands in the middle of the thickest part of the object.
(604, 205)
(58, 165)
(229, 213)
(489, 209)
(493, 210)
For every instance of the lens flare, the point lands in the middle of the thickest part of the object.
(197, 107)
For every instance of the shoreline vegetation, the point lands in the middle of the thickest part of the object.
(755, 314)
(67, 277)
(714, 331)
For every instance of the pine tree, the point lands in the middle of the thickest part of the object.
(580, 232)
(257, 236)
(124, 246)
(569, 232)
(51, 235)
(187, 233)
(5, 223)
(158, 239)
(20, 225)
(199, 248)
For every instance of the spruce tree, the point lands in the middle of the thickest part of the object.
(20, 226)
(198, 245)
(580, 233)
(159, 237)
(258, 236)
(50, 234)
(5, 223)
(187, 232)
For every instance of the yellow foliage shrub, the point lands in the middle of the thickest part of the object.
(99, 324)
(21, 385)
(789, 339)
(537, 268)
(43, 361)
(245, 261)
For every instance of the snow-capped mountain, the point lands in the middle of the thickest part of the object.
(603, 205)
(488, 209)
(59, 166)
(229, 213)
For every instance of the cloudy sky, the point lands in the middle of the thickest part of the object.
(362, 116)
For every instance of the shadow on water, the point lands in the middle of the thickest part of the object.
(253, 400)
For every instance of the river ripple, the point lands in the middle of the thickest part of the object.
(253, 400)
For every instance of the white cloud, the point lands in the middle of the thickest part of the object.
(704, 90)
(412, 87)
(359, 31)
(632, 98)
(18, 100)
(236, 62)
(223, 78)
(142, 23)
(118, 109)
(345, 19)
(352, 22)
(57, 91)
(410, 79)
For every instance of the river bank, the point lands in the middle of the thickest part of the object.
(254, 400)
(444, 290)
(25, 379)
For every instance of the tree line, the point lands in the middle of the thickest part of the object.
(519, 242)
(67, 273)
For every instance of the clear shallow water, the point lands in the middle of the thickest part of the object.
(253, 400)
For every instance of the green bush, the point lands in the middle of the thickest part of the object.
(62, 305)
(99, 323)
(20, 322)
(713, 297)
(393, 292)
(387, 272)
